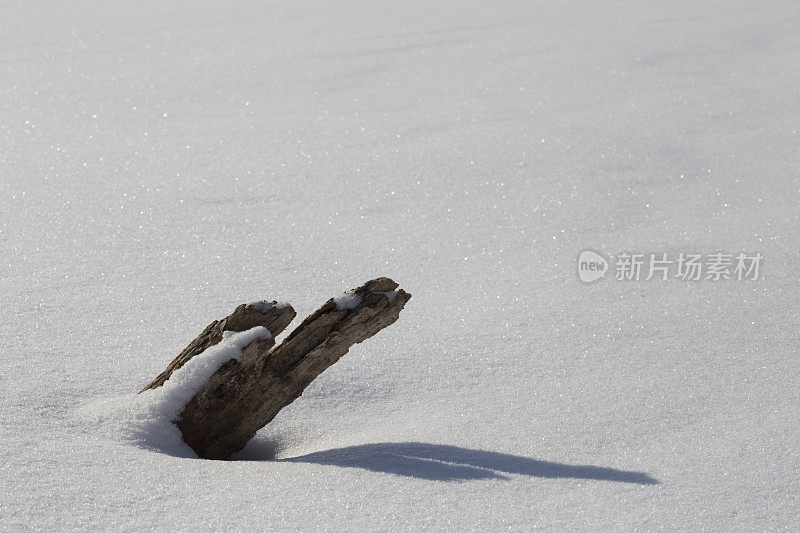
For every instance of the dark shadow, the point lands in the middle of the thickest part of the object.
(450, 463)
(260, 449)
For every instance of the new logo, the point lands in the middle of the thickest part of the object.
(591, 266)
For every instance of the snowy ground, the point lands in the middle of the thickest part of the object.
(161, 162)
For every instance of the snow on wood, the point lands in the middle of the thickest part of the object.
(247, 392)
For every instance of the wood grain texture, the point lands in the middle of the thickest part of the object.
(244, 395)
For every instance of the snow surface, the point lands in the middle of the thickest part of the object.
(146, 419)
(163, 162)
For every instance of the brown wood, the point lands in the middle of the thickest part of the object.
(246, 394)
(272, 316)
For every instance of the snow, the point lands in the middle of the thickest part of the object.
(146, 419)
(347, 300)
(184, 383)
(163, 162)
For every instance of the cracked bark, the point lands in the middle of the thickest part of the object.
(245, 395)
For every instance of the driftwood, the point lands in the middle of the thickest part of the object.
(246, 394)
(272, 316)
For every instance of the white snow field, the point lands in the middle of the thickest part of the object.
(163, 161)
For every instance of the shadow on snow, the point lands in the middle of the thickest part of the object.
(446, 463)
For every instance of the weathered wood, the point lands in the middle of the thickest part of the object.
(246, 394)
(273, 316)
